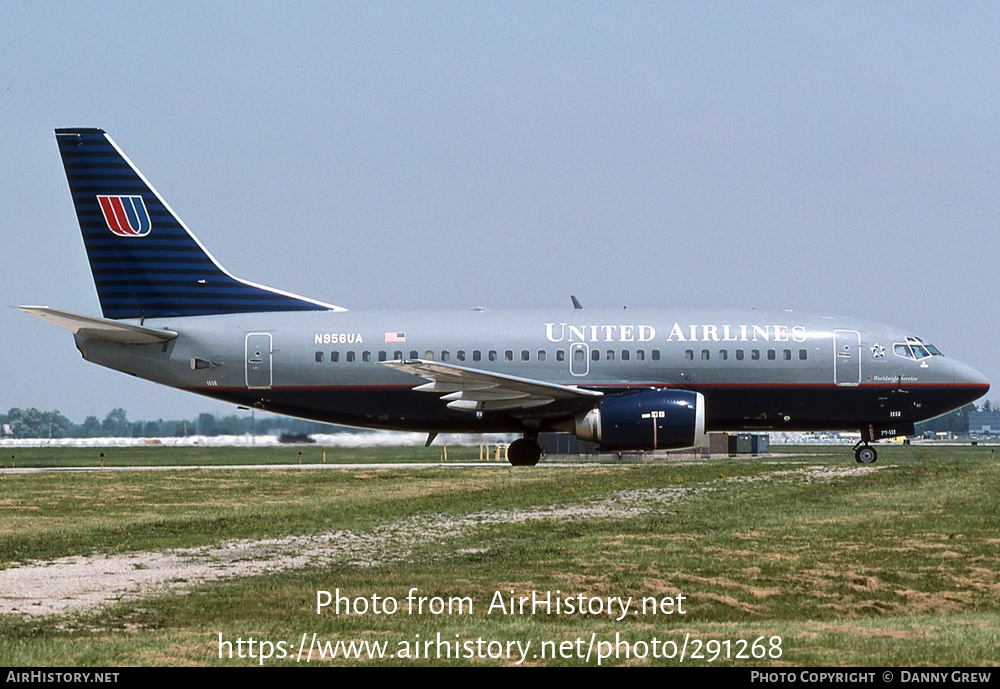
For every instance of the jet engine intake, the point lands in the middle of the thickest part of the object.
(645, 420)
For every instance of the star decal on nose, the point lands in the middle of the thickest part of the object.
(878, 350)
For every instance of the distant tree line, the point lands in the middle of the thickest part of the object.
(955, 422)
(32, 423)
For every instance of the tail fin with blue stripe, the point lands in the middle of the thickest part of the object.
(146, 263)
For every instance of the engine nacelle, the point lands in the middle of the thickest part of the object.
(645, 420)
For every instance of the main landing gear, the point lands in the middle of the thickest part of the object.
(525, 452)
(865, 453)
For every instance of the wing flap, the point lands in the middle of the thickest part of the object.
(486, 395)
(449, 387)
(497, 405)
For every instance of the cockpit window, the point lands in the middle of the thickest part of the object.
(914, 348)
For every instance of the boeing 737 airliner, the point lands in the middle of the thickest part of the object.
(626, 380)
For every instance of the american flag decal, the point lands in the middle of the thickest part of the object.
(395, 338)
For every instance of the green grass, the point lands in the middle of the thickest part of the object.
(159, 455)
(895, 567)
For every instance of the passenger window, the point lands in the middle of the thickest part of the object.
(595, 355)
(560, 355)
(460, 355)
(429, 355)
(578, 355)
(397, 355)
(739, 355)
(541, 355)
(611, 355)
(477, 355)
(656, 355)
(445, 355)
(414, 354)
(382, 356)
(366, 356)
(334, 357)
(350, 356)
(803, 355)
(771, 354)
(319, 357)
(493, 355)
(705, 355)
(640, 355)
(755, 354)
(508, 355)
(786, 354)
(689, 354)
(723, 354)
(525, 355)
(625, 355)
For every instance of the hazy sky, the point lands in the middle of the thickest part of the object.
(823, 157)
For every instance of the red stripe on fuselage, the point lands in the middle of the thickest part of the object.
(629, 386)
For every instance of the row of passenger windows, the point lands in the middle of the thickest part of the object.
(560, 355)
(492, 355)
(771, 354)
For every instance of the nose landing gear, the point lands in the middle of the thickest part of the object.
(865, 453)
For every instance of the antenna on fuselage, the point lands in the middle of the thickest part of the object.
(576, 302)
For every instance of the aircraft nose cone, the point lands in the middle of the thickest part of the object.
(970, 377)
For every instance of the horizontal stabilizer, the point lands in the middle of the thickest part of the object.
(100, 328)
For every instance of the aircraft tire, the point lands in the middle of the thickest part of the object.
(866, 455)
(524, 453)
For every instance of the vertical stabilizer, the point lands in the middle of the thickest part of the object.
(146, 263)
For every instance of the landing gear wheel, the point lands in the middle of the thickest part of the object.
(866, 454)
(524, 453)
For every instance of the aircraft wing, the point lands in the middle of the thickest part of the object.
(469, 389)
(99, 328)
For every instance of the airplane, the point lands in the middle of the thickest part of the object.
(626, 380)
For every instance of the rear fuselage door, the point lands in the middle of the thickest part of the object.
(258, 360)
(847, 357)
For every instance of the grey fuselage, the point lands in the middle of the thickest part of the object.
(756, 370)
